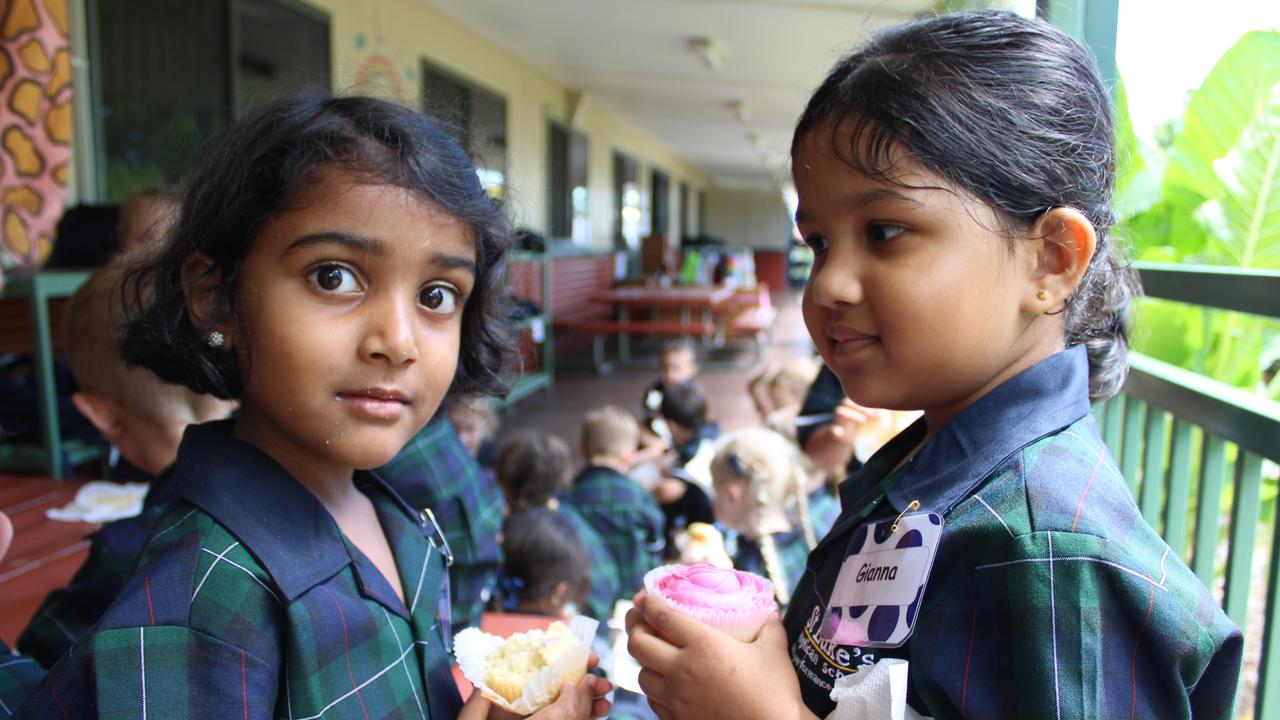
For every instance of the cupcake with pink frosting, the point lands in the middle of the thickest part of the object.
(735, 602)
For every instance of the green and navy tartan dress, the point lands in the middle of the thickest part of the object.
(1049, 597)
(68, 613)
(627, 519)
(248, 602)
(435, 470)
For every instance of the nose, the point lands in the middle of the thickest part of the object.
(835, 280)
(390, 335)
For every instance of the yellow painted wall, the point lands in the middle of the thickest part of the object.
(378, 48)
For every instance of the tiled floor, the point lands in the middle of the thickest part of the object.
(46, 553)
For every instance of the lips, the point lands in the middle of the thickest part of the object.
(375, 403)
(847, 342)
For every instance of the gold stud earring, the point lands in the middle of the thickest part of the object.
(1042, 295)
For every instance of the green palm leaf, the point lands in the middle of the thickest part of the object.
(1248, 212)
(1235, 93)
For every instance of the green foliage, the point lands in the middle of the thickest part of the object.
(1210, 194)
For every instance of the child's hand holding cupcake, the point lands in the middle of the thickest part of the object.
(691, 631)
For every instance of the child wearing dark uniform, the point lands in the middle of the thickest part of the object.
(954, 180)
(335, 268)
(534, 469)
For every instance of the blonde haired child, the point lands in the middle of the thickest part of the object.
(787, 389)
(762, 499)
(619, 509)
(137, 412)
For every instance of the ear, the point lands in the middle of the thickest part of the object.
(1064, 241)
(560, 594)
(101, 412)
(200, 284)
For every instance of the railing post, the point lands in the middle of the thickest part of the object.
(1175, 516)
(1153, 467)
(1135, 411)
(1244, 530)
(1208, 505)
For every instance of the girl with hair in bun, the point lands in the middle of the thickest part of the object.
(955, 181)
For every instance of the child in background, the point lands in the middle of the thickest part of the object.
(683, 491)
(762, 500)
(475, 421)
(146, 217)
(954, 179)
(677, 364)
(693, 435)
(532, 469)
(758, 389)
(622, 512)
(336, 267)
(141, 416)
(436, 470)
(547, 567)
(787, 389)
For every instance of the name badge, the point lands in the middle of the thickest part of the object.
(877, 594)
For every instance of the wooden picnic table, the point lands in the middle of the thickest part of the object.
(706, 299)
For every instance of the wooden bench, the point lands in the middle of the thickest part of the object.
(600, 329)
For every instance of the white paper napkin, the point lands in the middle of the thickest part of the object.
(875, 693)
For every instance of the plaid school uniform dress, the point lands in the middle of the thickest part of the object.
(627, 518)
(435, 471)
(19, 674)
(606, 589)
(1049, 596)
(248, 602)
(68, 613)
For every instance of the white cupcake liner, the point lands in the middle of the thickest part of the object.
(472, 648)
(740, 624)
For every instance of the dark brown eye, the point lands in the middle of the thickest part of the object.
(334, 278)
(439, 299)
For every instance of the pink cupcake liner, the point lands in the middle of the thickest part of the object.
(734, 602)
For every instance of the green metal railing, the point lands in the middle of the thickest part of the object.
(1180, 438)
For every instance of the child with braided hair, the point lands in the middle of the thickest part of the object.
(762, 500)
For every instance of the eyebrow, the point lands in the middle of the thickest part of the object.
(863, 199)
(369, 245)
(376, 248)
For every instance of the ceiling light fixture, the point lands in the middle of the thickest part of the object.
(708, 50)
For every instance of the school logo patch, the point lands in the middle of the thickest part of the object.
(877, 594)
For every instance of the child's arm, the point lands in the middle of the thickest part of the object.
(831, 446)
(691, 670)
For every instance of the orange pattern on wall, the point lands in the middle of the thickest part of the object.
(35, 127)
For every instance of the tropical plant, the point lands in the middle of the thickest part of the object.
(1210, 195)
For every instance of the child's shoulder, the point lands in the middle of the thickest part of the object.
(607, 483)
(195, 573)
(1066, 481)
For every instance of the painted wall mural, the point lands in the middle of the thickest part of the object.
(35, 126)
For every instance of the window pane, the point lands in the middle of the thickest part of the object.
(283, 49)
(161, 72)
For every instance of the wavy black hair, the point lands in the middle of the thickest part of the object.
(1009, 109)
(252, 173)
